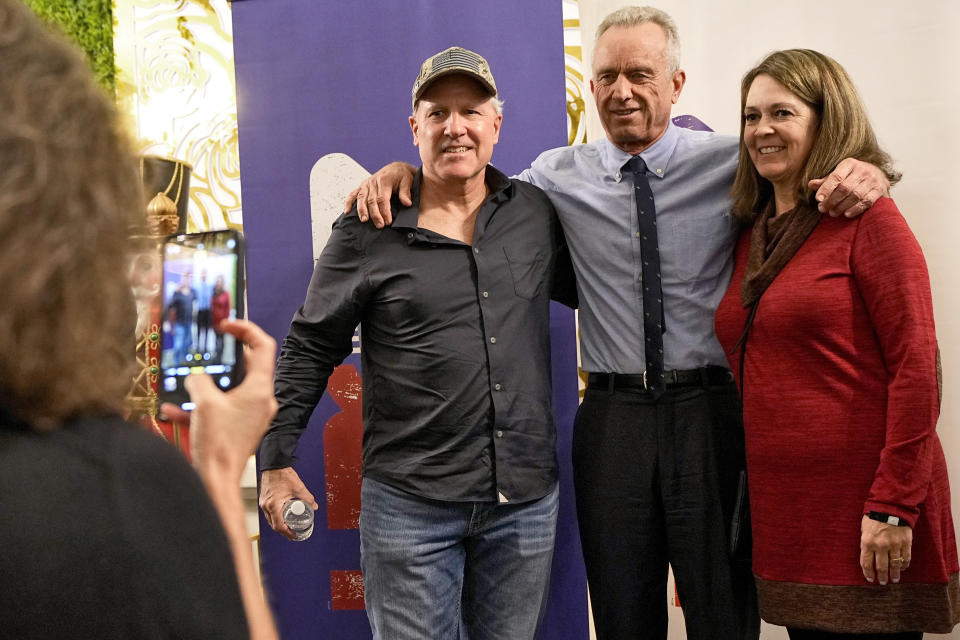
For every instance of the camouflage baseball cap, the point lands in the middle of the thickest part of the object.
(453, 60)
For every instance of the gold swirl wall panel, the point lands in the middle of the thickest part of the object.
(576, 109)
(176, 87)
(576, 85)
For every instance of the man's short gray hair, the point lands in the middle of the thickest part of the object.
(633, 16)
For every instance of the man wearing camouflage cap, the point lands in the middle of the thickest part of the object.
(459, 495)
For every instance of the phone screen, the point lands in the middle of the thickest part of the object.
(202, 286)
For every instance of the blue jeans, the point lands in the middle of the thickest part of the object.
(182, 341)
(449, 570)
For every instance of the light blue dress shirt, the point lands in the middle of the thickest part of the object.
(204, 295)
(690, 175)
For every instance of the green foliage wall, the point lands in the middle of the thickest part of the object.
(90, 24)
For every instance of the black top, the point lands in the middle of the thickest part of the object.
(108, 533)
(456, 348)
(182, 305)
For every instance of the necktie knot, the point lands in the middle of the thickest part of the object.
(635, 165)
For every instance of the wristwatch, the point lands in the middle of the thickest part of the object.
(886, 518)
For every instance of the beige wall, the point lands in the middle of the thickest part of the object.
(904, 59)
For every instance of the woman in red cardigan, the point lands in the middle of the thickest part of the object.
(829, 326)
(220, 311)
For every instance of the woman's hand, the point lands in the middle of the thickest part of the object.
(226, 427)
(884, 549)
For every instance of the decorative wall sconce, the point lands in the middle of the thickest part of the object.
(166, 182)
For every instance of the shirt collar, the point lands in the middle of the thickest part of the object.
(501, 189)
(656, 156)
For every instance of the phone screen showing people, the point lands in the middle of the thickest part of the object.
(202, 287)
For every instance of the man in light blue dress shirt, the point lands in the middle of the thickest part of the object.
(659, 479)
(204, 317)
(690, 175)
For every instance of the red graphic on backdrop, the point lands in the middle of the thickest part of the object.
(342, 438)
(346, 589)
(342, 442)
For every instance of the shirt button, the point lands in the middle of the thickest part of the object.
(493, 340)
(486, 295)
(476, 249)
(499, 434)
(497, 386)
(637, 234)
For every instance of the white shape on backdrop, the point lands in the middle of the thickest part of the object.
(332, 177)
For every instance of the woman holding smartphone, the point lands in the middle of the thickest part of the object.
(106, 531)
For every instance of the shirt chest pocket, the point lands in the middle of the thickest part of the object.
(693, 249)
(528, 268)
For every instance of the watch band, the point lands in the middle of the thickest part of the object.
(886, 518)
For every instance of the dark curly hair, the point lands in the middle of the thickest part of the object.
(69, 193)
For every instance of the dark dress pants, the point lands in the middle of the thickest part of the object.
(204, 318)
(656, 483)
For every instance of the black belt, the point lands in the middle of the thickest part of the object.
(702, 377)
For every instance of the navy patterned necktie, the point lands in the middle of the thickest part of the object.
(653, 318)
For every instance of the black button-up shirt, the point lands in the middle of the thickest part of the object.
(455, 348)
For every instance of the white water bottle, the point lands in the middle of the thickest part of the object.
(299, 517)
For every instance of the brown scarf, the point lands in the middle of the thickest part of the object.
(773, 241)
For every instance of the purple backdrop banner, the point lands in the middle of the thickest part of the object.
(319, 77)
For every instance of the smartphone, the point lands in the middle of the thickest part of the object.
(202, 286)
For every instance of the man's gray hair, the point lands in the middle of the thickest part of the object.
(633, 16)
